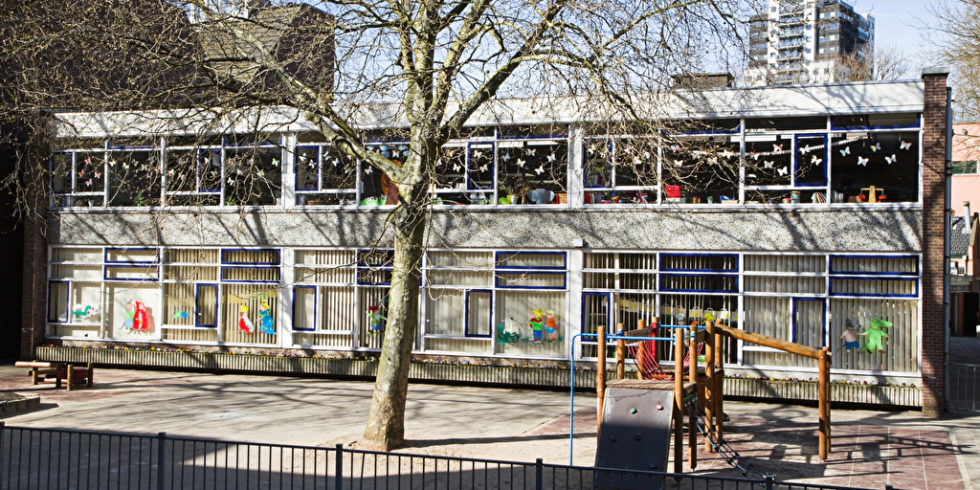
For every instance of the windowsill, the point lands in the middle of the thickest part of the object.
(725, 208)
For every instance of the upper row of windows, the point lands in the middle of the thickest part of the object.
(875, 160)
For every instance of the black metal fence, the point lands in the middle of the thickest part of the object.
(964, 387)
(71, 459)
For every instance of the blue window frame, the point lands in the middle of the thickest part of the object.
(838, 265)
(487, 332)
(589, 300)
(111, 267)
(811, 155)
(795, 307)
(505, 270)
(711, 262)
(837, 288)
(695, 283)
(63, 290)
(297, 292)
(478, 167)
(200, 320)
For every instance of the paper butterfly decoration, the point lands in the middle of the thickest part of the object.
(539, 170)
(768, 163)
(477, 153)
(551, 157)
(806, 149)
(782, 171)
(676, 148)
(531, 151)
(875, 147)
(457, 167)
(593, 147)
(862, 161)
(88, 182)
(521, 162)
(261, 173)
(97, 174)
(275, 162)
(891, 159)
(679, 163)
(777, 148)
(484, 167)
(81, 173)
(88, 161)
(905, 145)
(368, 170)
(754, 155)
(505, 157)
(816, 161)
(336, 161)
(846, 151)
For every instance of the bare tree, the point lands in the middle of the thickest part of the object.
(878, 63)
(958, 42)
(425, 67)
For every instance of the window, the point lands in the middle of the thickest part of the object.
(253, 174)
(325, 176)
(191, 295)
(78, 178)
(194, 176)
(533, 171)
(701, 169)
(134, 176)
(964, 167)
(465, 174)
(325, 300)
(620, 171)
(875, 167)
(250, 295)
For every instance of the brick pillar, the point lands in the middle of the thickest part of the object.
(34, 312)
(933, 240)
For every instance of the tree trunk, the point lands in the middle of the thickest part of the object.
(386, 422)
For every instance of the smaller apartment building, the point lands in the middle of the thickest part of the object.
(831, 215)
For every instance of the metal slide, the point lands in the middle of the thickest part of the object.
(634, 435)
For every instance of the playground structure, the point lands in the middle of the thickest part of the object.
(626, 423)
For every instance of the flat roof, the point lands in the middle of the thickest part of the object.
(773, 101)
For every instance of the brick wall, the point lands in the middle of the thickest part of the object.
(34, 311)
(933, 240)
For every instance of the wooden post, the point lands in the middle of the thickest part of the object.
(600, 377)
(822, 404)
(91, 376)
(709, 377)
(718, 384)
(620, 354)
(34, 377)
(70, 376)
(678, 399)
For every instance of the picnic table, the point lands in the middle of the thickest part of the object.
(54, 372)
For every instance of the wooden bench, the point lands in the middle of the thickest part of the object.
(54, 372)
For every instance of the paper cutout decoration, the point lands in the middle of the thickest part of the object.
(136, 317)
(905, 145)
(862, 161)
(816, 161)
(85, 312)
(181, 315)
(537, 325)
(850, 337)
(375, 320)
(845, 151)
(891, 159)
(876, 335)
(875, 147)
(550, 326)
(266, 325)
(783, 171)
(244, 322)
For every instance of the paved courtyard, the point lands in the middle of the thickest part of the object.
(870, 448)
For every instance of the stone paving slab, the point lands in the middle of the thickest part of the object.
(870, 448)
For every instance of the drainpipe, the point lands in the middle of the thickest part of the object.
(949, 212)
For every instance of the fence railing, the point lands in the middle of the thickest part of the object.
(38, 458)
(964, 387)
